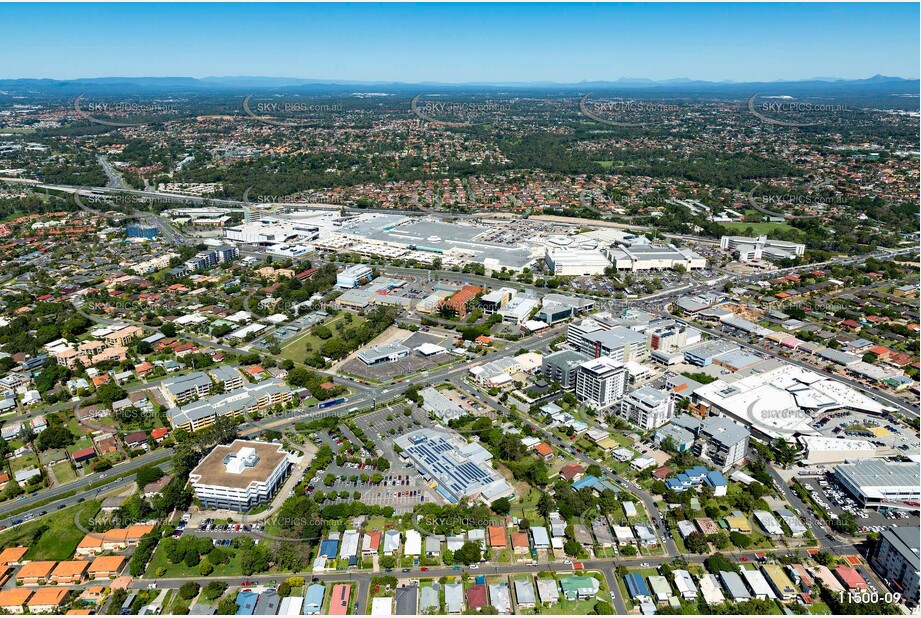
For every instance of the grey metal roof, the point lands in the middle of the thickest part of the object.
(907, 542)
(724, 431)
(380, 352)
(524, 591)
(733, 583)
(406, 600)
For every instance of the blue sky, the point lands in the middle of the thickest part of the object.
(461, 43)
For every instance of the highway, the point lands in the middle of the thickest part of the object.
(81, 486)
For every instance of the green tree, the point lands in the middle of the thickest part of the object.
(469, 553)
(502, 506)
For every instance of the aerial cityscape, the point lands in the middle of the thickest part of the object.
(391, 309)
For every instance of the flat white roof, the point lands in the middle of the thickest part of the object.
(821, 443)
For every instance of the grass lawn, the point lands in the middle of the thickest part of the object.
(819, 607)
(231, 569)
(63, 472)
(298, 348)
(60, 539)
(760, 228)
(577, 608)
(23, 463)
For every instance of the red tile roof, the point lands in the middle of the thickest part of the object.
(476, 596)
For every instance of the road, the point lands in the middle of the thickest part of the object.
(115, 179)
(82, 484)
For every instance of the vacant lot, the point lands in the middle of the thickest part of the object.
(63, 473)
(307, 342)
(54, 536)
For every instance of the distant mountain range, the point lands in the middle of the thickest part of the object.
(878, 84)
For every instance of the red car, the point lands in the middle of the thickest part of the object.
(744, 559)
(424, 569)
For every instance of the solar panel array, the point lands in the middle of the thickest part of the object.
(432, 453)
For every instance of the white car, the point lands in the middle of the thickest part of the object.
(567, 562)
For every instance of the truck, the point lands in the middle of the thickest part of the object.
(330, 403)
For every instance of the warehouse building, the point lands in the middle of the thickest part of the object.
(875, 483)
(796, 527)
(576, 262)
(386, 353)
(436, 403)
(822, 450)
(640, 257)
(460, 470)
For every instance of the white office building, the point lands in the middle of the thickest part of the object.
(354, 276)
(754, 249)
(600, 382)
(240, 475)
(647, 407)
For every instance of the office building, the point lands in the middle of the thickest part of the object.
(647, 407)
(595, 338)
(354, 276)
(137, 230)
(600, 382)
(386, 353)
(240, 475)
(493, 301)
(519, 309)
(557, 307)
(459, 303)
(755, 249)
(562, 367)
